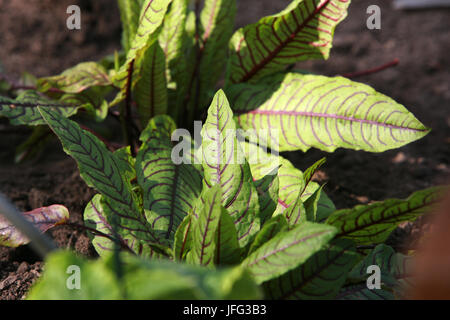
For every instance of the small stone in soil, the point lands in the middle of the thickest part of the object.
(23, 267)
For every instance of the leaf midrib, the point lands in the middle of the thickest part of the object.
(330, 116)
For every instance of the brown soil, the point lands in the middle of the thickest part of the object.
(41, 45)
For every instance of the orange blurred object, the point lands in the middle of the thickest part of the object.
(431, 275)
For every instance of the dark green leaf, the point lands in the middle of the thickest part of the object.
(169, 189)
(372, 223)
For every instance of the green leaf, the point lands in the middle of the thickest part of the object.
(169, 189)
(97, 279)
(160, 127)
(325, 207)
(311, 206)
(295, 214)
(77, 79)
(270, 229)
(86, 85)
(305, 111)
(129, 14)
(150, 20)
(263, 163)
(141, 280)
(320, 277)
(126, 162)
(216, 27)
(367, 224)
(226, 242)
(42, 218)
(291, 182)
(98, 216)
(224, 164)
(303, 210)
(172, 41)
(183, 238)
(151, 17)
(287, 250)
(95, 218)
(308, 174)
(101, 170)
(267, 188)
(150, 89)
(177, 38)
(24, 109)
(164, 280)
(92, 100)
(290, 179)
(204, 245)
(304, 30)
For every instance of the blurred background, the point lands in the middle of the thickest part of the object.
(34, 38)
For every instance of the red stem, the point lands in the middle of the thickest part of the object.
(127, 116)
(391, 64)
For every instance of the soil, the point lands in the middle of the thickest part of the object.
(41, 45)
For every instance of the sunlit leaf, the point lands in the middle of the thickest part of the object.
(304, 30)
(224, 164)
(169, 189)
(77, 79)
(150, 20)
(183, 238)
(129, 14)
(204, 244)
(287, 250)
(305, 111)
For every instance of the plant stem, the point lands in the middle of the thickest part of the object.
(125, 114)
(116, 115)
(350, 75)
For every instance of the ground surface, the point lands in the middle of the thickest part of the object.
(33, 38)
